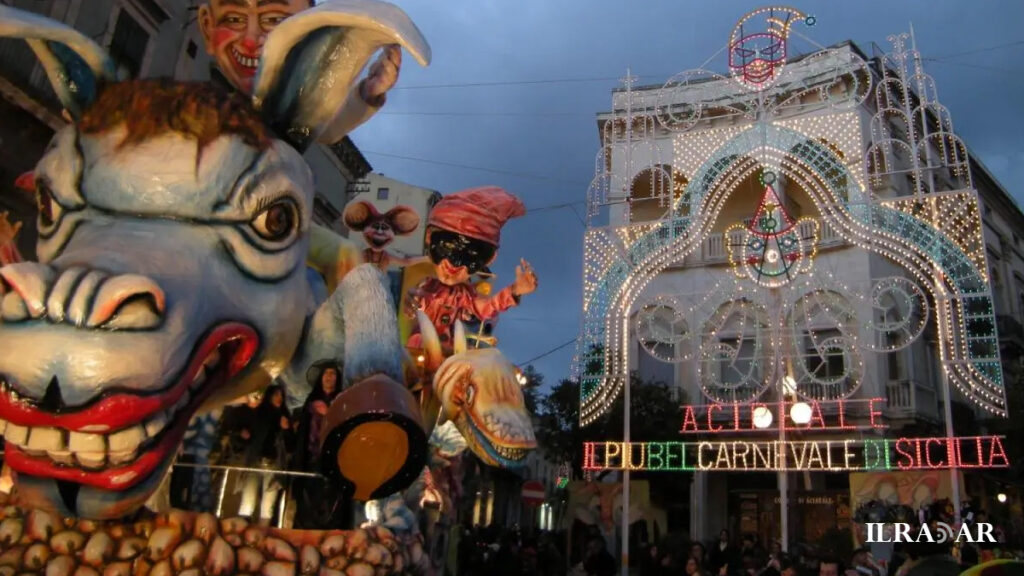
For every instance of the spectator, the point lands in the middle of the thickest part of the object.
(507, 561)
(268, 437)
(693, 567)
(722, 553)
(697, 553)
(931, 559)
(321, 505)
(650, 565)
(598, 561)
(861, 563)
(830, 567)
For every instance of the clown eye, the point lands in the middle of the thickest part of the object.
(277, 221)
(49, 209)
(271, 20)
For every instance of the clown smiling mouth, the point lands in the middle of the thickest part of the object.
(247, 63)
(121, 437)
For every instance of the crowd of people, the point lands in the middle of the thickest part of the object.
(749, 558)
(262, 438)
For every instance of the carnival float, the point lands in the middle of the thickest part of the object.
(179, 269)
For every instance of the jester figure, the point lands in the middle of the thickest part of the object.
(462, 238)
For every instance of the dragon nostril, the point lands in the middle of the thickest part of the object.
(127, 302)
(53, 400)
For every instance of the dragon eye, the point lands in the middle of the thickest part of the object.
(277, 221)
(49, 209)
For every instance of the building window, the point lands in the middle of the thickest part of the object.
(382, 193)
(826, 363)
(128, 45)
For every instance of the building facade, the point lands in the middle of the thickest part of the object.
(823, 316)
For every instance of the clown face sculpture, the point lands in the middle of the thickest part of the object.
(235, 30)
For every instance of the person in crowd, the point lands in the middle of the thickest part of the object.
(693, 567)
(722, 552)
(268, 435)
(862, 563)
(550, 561)
(931, 559)
(830, 567)
(235, 426)
(650, 563)
(508, 560)
(598, 561)
(321, 506)
(697, 552)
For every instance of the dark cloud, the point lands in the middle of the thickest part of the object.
(549, 128)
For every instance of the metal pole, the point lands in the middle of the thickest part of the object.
(941, 300)
(625, 327)
(783, 478)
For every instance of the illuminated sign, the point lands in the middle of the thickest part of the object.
(823, 416)
(825, 455)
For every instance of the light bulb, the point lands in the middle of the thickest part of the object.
(762, 417)
(800, 413)
(1001, 497)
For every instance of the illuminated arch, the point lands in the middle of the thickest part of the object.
(634, 256)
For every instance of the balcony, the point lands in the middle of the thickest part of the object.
(911, 399)
(715, 248)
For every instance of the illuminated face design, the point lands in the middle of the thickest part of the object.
(756, 59)
(234, 32)
(757, 47)
(774, 248)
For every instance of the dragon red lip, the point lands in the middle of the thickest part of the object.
(235, 343)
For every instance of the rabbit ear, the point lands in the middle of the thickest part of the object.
(312, 59)
(75, 65)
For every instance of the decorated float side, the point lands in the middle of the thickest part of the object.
(175, 252)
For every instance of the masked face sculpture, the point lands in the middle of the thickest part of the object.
(234, 32)
(757, 47)
(173, 232)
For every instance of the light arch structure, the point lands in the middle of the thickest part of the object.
(621, 261)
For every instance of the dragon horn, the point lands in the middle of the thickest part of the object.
(459, 345)
(431, 341)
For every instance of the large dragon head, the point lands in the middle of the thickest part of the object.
(479, 392)
(173, 233)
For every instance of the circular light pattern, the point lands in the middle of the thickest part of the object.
(800, 412)
(762, 417)
(767, 178)
(899, 313)
(662, 331)
(736, 352)
(824, 349)
(810, 20)
(1001, 497)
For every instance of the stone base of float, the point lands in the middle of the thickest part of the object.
(34, 541)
